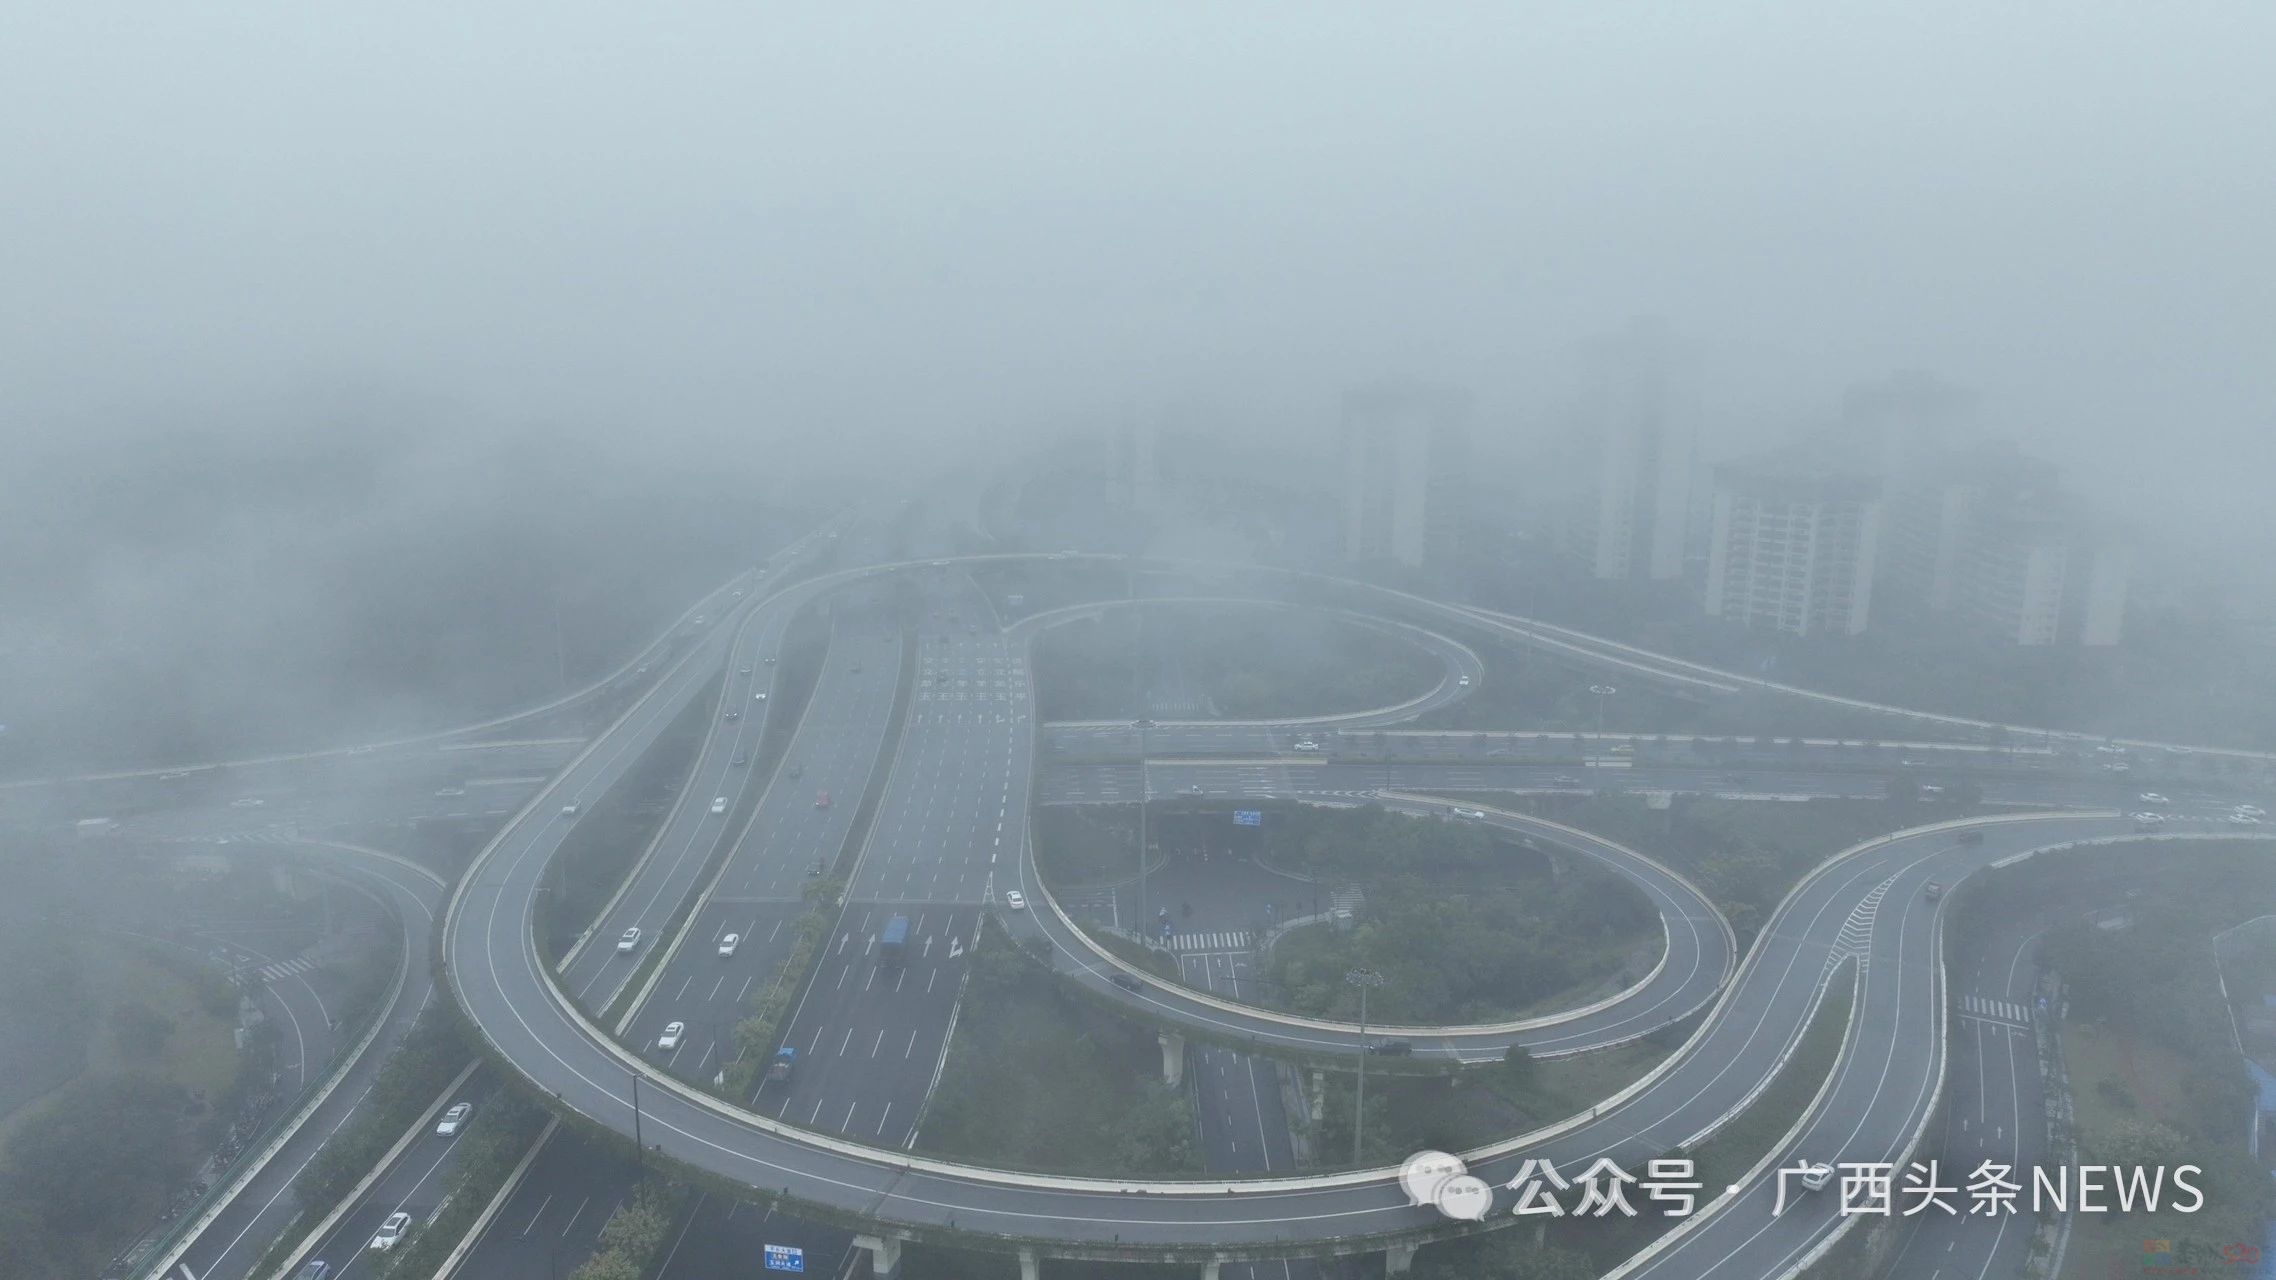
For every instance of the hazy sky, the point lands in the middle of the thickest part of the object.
(814, 227)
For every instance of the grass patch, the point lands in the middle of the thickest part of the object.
(1038, 1078)
(1466, 925)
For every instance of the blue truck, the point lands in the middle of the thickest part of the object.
(893, 944)
(785, 1062)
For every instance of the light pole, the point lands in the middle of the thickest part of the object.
(1145, 793)
(1602, 691)
(639, 1148)
(1362, 979)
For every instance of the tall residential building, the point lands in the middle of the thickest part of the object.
(1937, 508)
(1636, 450)
(1792, 545)
(1987, 538)
(1405, 452)
(1905, 421)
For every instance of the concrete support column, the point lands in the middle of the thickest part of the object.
(1209, 1269)
(1173, 1058)
(1397, 1259)
(1030, 1266)
(884, 1255)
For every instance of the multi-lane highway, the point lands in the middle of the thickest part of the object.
(1758, 1014)
(948, 842)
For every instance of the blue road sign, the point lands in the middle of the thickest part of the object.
(785, 1257)
(1248, 817)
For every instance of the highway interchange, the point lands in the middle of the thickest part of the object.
(949, 838)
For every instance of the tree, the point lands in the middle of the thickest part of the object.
(140, 1031)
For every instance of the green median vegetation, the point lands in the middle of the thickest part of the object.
(1040, 1078)
(638, 1236)
(757, 1034)
(430, 1056)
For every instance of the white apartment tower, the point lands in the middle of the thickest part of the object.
(1404, 451)
(1793, 546)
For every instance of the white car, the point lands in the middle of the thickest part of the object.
(629, 940)
(2242, 820)
(2152, 797)
(1464, 682)
(1816, 1176)
(1306, 744)
(446, 792)
(2147, 819)
(671, 1037)
(728, 944)
(391, 1231)
(247, 802)
(759, 697)
(1474, 814)
(719, 804)
(1016, 900)
(454, 1119)
(568, 811)
(2250, 811)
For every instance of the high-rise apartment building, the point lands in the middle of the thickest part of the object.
(1792, 545)
(1986, 537)
(1405, 452)
(1636, 450)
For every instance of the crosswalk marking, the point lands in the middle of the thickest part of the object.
(1233, 940)
(1986, 1007)
(283, 969)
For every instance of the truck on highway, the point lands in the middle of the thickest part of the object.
(893, 944)
(785, 1062)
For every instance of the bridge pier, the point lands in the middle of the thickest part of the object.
(884, 1255)
(1397, 1259)
(1210, 1268)
(1173, 1058)
(1030, 1265)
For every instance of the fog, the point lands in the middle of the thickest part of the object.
(778, 245)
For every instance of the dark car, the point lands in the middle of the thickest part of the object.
(1392, 1048)
(797, 771)
(734, 715)
(740, 759)
(1126, 981)
(1971, 837)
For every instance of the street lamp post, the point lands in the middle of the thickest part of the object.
(1364, 979)
(1145, 793)
(639, 1147)
(1602, 691)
